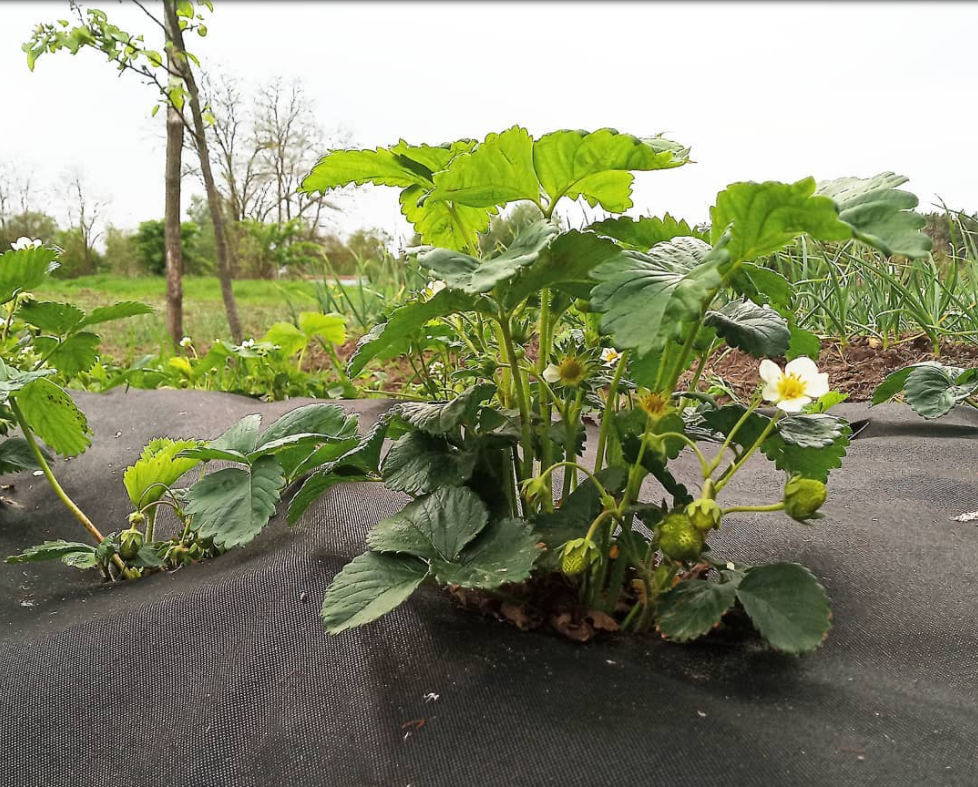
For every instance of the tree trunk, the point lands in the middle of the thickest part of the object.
(171, 224)
(213, 197)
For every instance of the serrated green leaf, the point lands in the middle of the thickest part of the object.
(433, 158)
(23, 270)
(473, 276)
(117, 311)
(380, 167)
(933, 390)
(693, 607)
(803, 343)
(420, 463)
(158, 464)
(813, 430)
(56, 318)
(368, 587)
(564, 265)
(233, 505)
(503, 552)
(328, 327)
(289, 339)
(442, 224)
(441, 418)
(74, 355)
(53, 416)
(757, 330)
(16, 455)
(497, 171)
(643, 233)
(394, 337)
(241, 436)
(892, 385)
(317, 418)
(434, 527)
(765, 217)
(50, 550)
(13, 379)
(81, 560)
(650, 299)
(814, 463)
(315, 487)
(787, 606)
(598, 165)
(879, 213)
(762, 285)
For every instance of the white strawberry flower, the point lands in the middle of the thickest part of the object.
(790, 390)
(186, 341)
(25, 243)
(610, 356)
(248, 343)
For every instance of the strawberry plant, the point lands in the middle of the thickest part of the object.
(612, 322)
(45, 345)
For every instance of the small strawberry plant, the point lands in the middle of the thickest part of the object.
(45, 345)
(612, 323)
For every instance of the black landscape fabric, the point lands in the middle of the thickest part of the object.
(222, 674)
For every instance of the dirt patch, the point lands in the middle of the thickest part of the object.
(856, 369)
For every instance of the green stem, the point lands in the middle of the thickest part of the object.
(526, 437)
(58, 489)
(771, 507)
(610, 406)
(735, 466)
(733, 432)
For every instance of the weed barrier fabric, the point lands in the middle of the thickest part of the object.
(222, 674)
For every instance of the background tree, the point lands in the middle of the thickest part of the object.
(173, 77)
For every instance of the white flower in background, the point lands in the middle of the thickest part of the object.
(25, 243)
(186, 341)
(248, 343)
(436, 367)
(610, 356)
(796, 386)
(570, 371)
(434, 287)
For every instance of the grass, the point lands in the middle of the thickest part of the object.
(260, 303)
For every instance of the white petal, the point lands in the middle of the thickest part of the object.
(771, 392)
(551, 374)
(794, 405)
(769, 372)
(817, 386)
(803, 368)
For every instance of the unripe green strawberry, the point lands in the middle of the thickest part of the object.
(578, 554)
(678, 537)
(130, 542)
(704, 514)
(803, 497)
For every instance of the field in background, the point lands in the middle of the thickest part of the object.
(260, 303)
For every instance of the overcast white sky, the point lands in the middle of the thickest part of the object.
(758, 90)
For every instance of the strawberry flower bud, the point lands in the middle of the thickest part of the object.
(130, 542)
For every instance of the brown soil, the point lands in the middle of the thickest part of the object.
(855, 370)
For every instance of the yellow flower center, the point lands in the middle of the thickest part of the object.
(654, 404)
(571, 370)
(791, 386)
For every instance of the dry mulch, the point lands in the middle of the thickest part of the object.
(856, 369)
